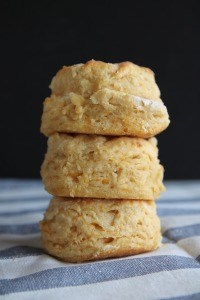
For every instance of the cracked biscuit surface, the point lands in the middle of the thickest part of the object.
(86, 79)
(106, 99)
(102, 167)
(91, 229)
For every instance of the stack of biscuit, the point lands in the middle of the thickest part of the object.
(102, 163)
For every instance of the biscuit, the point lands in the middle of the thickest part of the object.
(86, 79)
(106, 112)
(106, 99)
(91, 229)
(102, 167)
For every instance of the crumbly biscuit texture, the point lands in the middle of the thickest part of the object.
(91, 229)
(106, 112)
(102, 167)
(86, 79)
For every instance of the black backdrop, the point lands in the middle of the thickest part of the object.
(38, 38)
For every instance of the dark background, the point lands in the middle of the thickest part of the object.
(38, 38)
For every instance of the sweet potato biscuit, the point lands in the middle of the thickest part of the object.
(86, 79)
(91, 229)
(106, 112)
(105, 99)
(102, 167)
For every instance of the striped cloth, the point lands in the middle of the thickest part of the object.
(26, 272)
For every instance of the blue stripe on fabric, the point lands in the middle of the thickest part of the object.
(23, 199)
(179, 233)
(165, 240)
(174, 201)
(20, 251)
(22, 212)
(19, 229)
(165, 212)
(14, 183)
(198, 258)
(93, 273)
(186, 297)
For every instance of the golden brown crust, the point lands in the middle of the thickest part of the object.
(105, 99)
(106, 112)
(91, 229)
(86, 79)
(102, 167)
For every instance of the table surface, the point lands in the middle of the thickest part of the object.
(26, 272)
